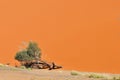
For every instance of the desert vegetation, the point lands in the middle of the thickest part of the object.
(30, 57)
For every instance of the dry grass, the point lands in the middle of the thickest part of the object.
(12, 73)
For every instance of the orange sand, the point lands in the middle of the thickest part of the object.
(77, 34)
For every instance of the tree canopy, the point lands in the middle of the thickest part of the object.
(23, 56)
(32, 52)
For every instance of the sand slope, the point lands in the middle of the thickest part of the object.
(11, 73)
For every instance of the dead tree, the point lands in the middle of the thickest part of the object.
(44, 65)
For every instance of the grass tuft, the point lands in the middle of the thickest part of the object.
(2, 65)
(74, 73)
(95, 76)
(116, 78)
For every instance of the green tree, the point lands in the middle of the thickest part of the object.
(32, 52)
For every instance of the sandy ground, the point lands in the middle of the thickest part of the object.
(37, 75)
(8, 73)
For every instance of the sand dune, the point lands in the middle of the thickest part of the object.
(12, 73)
